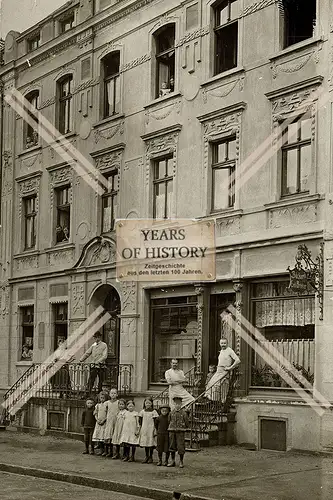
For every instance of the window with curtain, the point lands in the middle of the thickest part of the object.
(223, 174)
(174, 331)
(31, 137)
(60, 321)
(287, 323)
(111, 84)
(63, 214)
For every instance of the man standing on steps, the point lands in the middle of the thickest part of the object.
(96, 355)
(176, 378)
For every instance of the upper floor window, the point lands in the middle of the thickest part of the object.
(296, 156)
(27, 325)
(31, 132)
(165, 60)
(67, 23)
(34, 42)
(30, 217)
(226, 35)
(65, 112)
(163, 188)
(110, 202)
(223, 174)
(63, 215)
(111, 83)
(60, 318)
(299, 18)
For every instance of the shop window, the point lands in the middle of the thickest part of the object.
(296, 156)
(287, 324)
(111, 84)
(60, 319)
(67, 23)
(223, 174)
(165, 60)
(226, 35)
(30, 218)
(33, 42)
(27, 325)
(110, 202)
(65, 103)
(31, 131)
(63, 214)
(163, 188)
(174, 334)
(299, 20)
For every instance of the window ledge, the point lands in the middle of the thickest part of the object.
(30, 150)
(225, 74)
(228, 212)
(158, 100)
(24, 363)
(294, 200)
(67, 136)
(108, 120)
(297, 46)
(60, 246)
(26, 253)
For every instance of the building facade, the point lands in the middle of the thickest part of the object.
(189, 109)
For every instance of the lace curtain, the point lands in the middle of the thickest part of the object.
(286, 312)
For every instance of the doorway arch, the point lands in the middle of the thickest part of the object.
(108, 297)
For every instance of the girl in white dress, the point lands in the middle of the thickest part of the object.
(113, 409)
(148, 432)
(100, 413)
(227, 361)
(118, 429)
(130, 432)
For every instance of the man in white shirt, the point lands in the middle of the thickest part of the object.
(176, 378)
(96, 355)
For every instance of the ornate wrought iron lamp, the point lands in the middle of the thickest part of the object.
(308, 275)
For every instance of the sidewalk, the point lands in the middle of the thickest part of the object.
(227, 473)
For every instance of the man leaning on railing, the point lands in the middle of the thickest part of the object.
(96, 355)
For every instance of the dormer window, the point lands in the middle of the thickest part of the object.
(34, 42)
(67, 23)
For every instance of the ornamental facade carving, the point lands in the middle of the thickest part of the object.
(109, 160)
(228, 226)
(294, 215)
(99, 251)
(128, 297)
(78, 305)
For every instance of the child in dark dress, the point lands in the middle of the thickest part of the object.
(178, 424)
(161, 425)
(88, 422)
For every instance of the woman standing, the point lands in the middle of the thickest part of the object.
(227, 361)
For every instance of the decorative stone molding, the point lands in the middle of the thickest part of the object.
(199, 290)
(261, 4)
(165, 143)
(63, 257)
(297, 63)
(26, 187)
(98, 251)
(238, 287)
(7, 186)
(85, 38)
(227, 226)
(223, 90)
(27, 262)
(29, 161)
(293, 215)
(109, 132)
(111, 160)
(127, 331)
(192, 35)
(136, 62)
(128, 297)
(78, 305)
(164, 112)
(4, 299)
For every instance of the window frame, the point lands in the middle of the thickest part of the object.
(58, 323)
(167, 179)
(64, 22)
(28, 131)
(158, 60)
(65, 119)
(113, 195)
(227, 164)
(24, 325)
(62, 208)
(218, 29)
(285, 35)
(27, 217)
(33, 42)
(115, 78)
(296, 145)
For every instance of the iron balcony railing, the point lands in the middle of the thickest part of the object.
(71, 381)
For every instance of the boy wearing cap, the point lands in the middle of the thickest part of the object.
(161, 425)
(178, 424)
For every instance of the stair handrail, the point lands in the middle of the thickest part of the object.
(232, 377)
(18, 382)
(166, 390)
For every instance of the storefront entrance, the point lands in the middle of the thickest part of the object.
(219, 303)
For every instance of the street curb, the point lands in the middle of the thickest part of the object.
(101, 484)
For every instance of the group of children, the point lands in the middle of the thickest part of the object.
(113, 424)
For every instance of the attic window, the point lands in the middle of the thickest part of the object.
(34, 42)
(67, 23)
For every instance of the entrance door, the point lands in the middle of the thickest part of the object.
(111, 329)
(218, 304)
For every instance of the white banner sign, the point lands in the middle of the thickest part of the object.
(165, 250)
